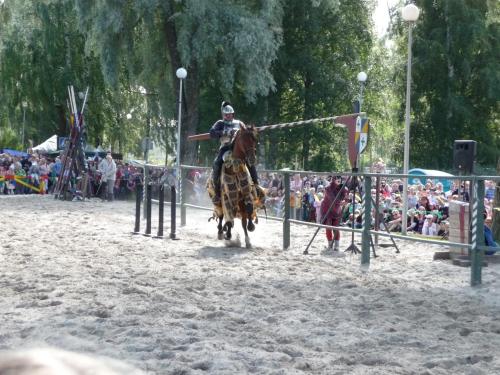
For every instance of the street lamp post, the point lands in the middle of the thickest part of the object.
(25, 105)
(362, 76)
(410, 14)
(181, 73)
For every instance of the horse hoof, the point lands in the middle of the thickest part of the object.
(220, 236)
(251, 227)
(248, 245)
(228, 236)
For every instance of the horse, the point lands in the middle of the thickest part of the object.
(239, 198)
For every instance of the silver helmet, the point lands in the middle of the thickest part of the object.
(226, 108)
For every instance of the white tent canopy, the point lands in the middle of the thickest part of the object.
(48, 146)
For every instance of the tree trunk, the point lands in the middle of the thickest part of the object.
(307, 114)
(62, 130)
(190, 97)
(495, 228)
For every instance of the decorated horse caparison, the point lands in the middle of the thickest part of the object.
(239, 197)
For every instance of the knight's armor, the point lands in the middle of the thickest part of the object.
(225, 130)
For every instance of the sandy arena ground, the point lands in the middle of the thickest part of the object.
(72, 276)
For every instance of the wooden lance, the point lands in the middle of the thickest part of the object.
(342, 121)
(339, 121)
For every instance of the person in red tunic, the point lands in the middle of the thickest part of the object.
(331, 211)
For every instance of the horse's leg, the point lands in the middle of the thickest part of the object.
(220, 232)
(248, 245)
(249, 212)
(228, 226)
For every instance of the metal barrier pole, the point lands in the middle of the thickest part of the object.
(182, 197)
(161, 204)
(138, 199)
(477, 237)
(365, 236)
(148, 216)
(146, 183)
(286, 204)
(173, 209)
(377, 208)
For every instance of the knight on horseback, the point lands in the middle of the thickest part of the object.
(225, 130)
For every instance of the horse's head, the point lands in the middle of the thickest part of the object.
(245, 144)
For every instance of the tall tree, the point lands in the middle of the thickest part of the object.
(41, 53)
(326, 43)
(226, 44)
(456, 80)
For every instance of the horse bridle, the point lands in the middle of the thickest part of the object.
(250, 154)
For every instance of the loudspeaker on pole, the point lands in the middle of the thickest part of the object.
(464, 156)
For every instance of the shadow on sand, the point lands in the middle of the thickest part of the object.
(223, 252)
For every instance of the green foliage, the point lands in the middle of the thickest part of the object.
(325, 45)
(456, 82)
(232, 42)
(276, 61)
(9, 139)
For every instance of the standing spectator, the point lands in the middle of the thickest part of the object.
(331, 212)
(378, 166)
(317, 205)
(296, 182)
(44, 174)
(9, 178)
(108, 175)
(306, 205)
(2, 179)
(489, 192)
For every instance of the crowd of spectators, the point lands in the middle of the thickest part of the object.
(42, 172)
(427, 202)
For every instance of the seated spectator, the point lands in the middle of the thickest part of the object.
(412, 220)
(394, 224)
(421, 221)
(412, 197)
(488, 238)
(430, 227)
(444, 230)
(424, 201)
(385, 190)
(439, 189)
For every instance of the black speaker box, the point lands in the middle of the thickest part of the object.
(464, 156)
